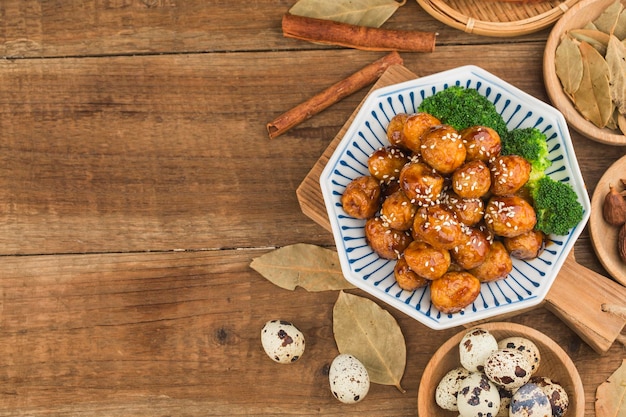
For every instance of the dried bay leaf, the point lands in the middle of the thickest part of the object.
(607, 21)
(616, 60)
(371, 13)
(620, 27)
(308, 266)
(595, 38)
(593, 98)
(611, 394)
(569, 65)
(369, 333)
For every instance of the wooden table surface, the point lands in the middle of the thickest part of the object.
(137, 183)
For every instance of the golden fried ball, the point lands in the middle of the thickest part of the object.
(414, 127)
(497, 264)
(395, 129)
(509, 216)
(361, 198)
(421, 184)
(437, 226)
(385, 241)
(443, 149)
(426, 261)
(454, 291)
(385, 164)
(469, 211)
(482, 143)
(509, 173)
(472, 180)
(473, 251)
(525, 246)
(398, 211)
(406, 278)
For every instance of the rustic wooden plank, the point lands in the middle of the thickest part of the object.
(178, 333)
(170, 152)
(61, 28)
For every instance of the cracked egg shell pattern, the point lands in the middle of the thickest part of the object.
(525, 346)
(475, 347)
(282, 341)
(508, 368)
(478, 396)
(349, 380)
(448, 388)
(530, 401)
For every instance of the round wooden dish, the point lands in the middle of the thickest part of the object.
(555, 364)
(603, 235)
(577, 17)
(496, 18)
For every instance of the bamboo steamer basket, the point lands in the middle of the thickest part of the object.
(496, 18)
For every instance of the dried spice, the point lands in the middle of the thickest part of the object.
(593, 98)
(609, 18)
(371, 13)
(372, 335)
(302, 265)
(590, 62)
(616, 59)
(569, 65)
(599, 40)
(611, 394)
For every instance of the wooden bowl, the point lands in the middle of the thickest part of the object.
(603, 235)
(576, 17)
(555, 364)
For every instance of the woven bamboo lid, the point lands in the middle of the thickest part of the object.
(496, 18)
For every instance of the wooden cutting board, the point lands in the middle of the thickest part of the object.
(577, 294)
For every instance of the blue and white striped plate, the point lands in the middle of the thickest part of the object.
(529, 282)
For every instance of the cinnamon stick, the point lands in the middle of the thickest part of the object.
(358, 37)
(365, 76)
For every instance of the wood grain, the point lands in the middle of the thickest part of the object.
(137, 183)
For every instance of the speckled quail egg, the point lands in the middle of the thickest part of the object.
(448, 388)
(526, 346)
(474, 348)
(282, 341)
(508, 368)
(559, 401)
(530, 401)
(478, 396)
(505, 402)
(349, 380)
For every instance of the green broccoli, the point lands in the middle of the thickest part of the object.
(531, 144)
(556, 205)
(462, 107)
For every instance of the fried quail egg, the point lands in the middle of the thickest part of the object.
(527, 347)
(349, 380)
(474, 348)
(478, 396)
(508, 368)
(530, 401)
(448, 388)
(282, 341)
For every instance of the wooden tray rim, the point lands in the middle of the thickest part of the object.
(443, 12)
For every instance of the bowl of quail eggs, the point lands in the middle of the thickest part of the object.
(502, 370)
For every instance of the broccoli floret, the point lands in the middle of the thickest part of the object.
(531, 144)
(556, 205)
(462, 107)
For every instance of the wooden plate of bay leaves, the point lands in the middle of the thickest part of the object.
(584, 69)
